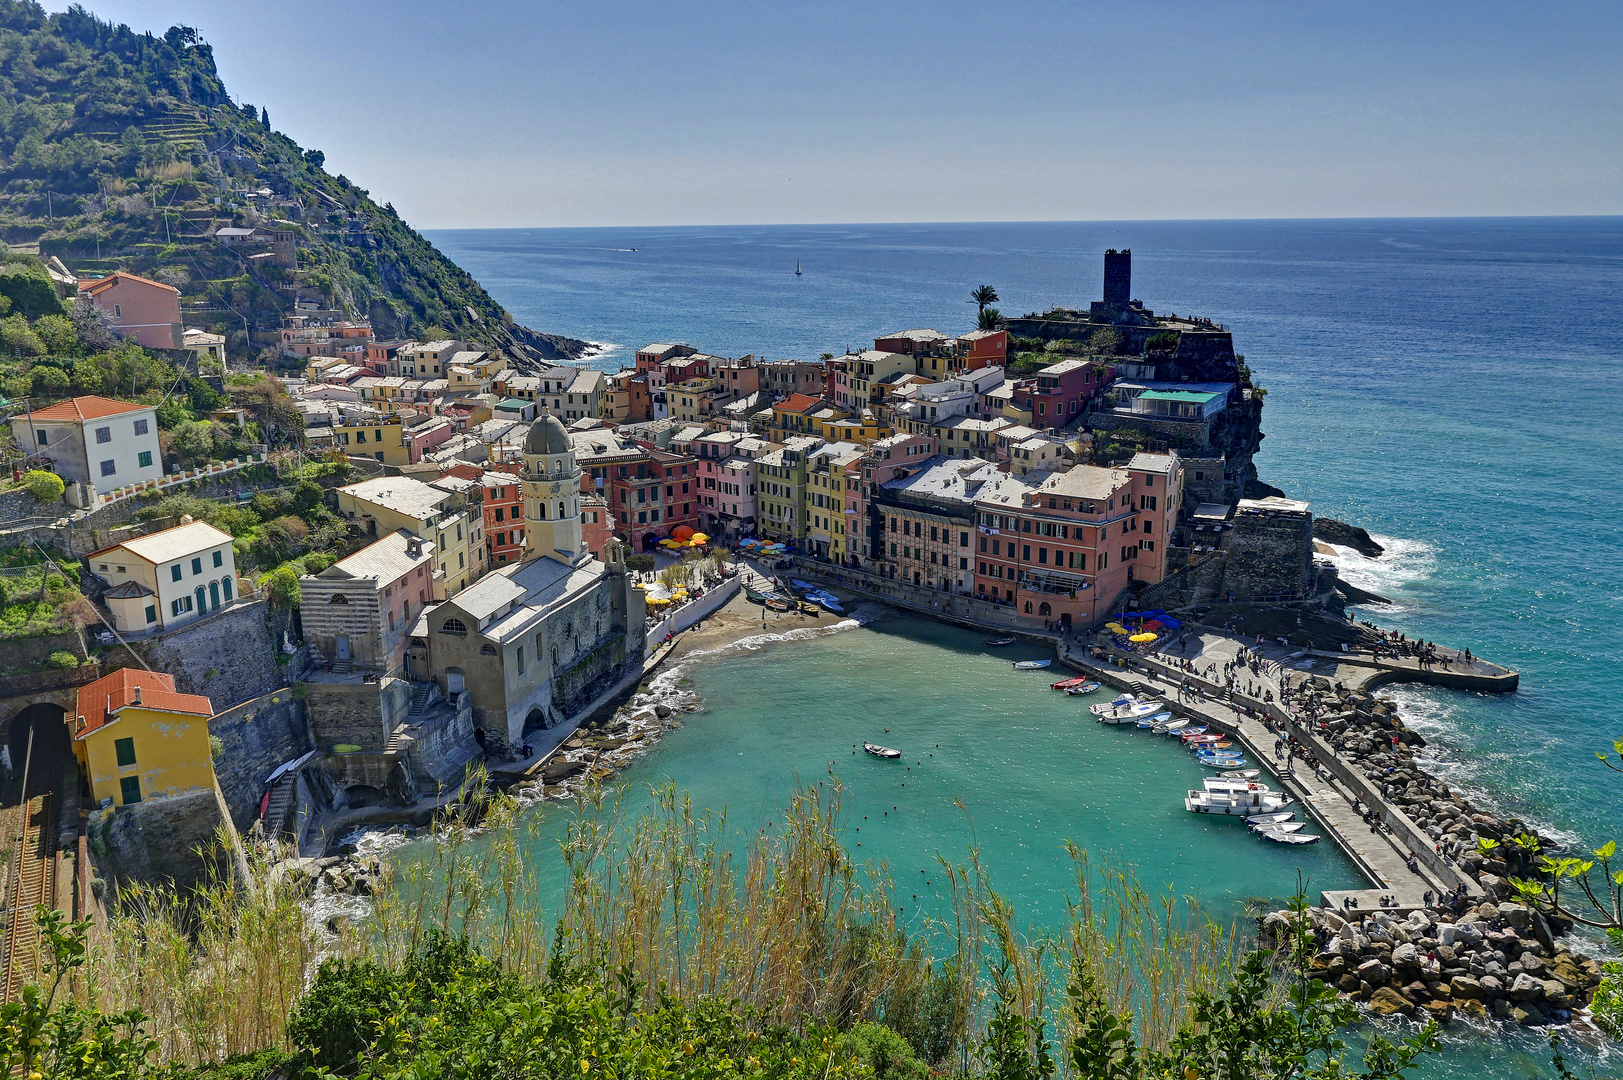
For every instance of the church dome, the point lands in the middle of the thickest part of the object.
(547, 436)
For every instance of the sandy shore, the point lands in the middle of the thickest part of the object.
(739, 619)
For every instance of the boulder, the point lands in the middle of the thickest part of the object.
(1406, 956)
(1526, 1015)
(1525, 988)
(1516, 915)
(1385, 1001)
(1491, 986)
(1541, 932)
(1373, 972)
(1473, 1009)
(1556, 996)
(1348, 983)
(1465, 988)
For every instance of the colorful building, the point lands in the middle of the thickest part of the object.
(166, 578)
(924, 523)
(136, 738)
(142, 310)
(1061, 547)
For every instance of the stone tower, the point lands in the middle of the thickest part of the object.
(1119, 276)
(551, 490)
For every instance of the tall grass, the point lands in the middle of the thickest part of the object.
(675, 903)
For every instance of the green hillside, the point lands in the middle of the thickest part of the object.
(123, 150)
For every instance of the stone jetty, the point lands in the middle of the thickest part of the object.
(1440, 932)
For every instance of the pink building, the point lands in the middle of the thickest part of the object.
(727, 482)
(884, 461)
(144, 311)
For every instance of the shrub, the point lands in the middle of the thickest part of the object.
(44, 486)
(282, 587)
(640, 563)
(61, 658)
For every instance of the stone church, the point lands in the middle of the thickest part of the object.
(534, 642)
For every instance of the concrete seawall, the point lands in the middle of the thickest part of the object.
(1482, 677)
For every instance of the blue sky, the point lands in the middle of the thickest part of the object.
(598, 112)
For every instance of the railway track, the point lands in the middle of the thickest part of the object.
(30, 881)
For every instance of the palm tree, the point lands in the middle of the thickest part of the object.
(983, 297)
(990, 318)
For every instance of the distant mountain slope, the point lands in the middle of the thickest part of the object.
(121, 150)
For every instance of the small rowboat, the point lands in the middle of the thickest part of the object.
(1066, 684)
(1031, 665)
(1241, 774)
(1081, 686)
(1288, 837)
(1190, 732)
(881, 751)
(996, 642)
(1221, 763)
(1277, 826)
(1171, 727)
(1270, 819)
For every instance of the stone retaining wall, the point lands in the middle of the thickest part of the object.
(255, 738)
(162, 839)
(229, 657)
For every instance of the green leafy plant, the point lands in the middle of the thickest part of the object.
(44, 486)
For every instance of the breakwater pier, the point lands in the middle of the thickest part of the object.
(1382, 854)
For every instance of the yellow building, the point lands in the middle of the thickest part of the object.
(864, 430)
(137, 738)
(841, 476)
(454, 529)
(382, 439)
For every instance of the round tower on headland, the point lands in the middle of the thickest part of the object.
(550, 486)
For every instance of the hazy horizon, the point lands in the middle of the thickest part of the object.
(501, 115)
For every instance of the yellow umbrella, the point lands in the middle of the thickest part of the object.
(1142, 637)
(1115, 626)
(699, 538)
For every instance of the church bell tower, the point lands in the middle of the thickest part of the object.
(551, 489)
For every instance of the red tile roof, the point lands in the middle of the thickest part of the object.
(89, 407)
(93, 287)
(796, 403)
(100, 701)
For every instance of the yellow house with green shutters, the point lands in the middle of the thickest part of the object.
(136, 738)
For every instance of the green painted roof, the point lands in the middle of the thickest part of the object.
(516, 404)
(1179, 395)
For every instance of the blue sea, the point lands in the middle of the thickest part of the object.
(1453, 386)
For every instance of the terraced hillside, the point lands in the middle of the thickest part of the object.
(123, 150)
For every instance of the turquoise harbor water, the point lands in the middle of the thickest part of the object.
(1452, 386)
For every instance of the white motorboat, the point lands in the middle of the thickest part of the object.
(1130, 714)
(1220, 783)
(1241, 774)
(1235, 804)
(1171, 726)
(1270, 819)
(1288, 837)
(1278, 826)
(881, 751)
(1102, 707)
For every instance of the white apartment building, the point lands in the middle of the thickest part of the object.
(166, 578)
(94, 440)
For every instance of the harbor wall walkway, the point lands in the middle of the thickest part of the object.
(1379, 855)
(1478, 674)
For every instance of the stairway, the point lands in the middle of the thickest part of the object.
(281, 801)
(421, 694)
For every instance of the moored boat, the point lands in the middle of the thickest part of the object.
(1218, 783)
(1103, 707)
(881, 751)
(1031, 665)
(1171, 727)
(1270, 819)
(1241, 774)
(1288, 838)
(1235, 804)
(996, 642)
(1276, 826)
